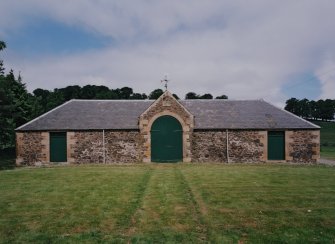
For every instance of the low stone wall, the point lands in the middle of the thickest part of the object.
(302, 146)
(32, 148)
(244, 146)
(120, 147)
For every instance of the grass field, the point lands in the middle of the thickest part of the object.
(168, 203)
(327, 139)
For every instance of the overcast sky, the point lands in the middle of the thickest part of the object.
(245, 49)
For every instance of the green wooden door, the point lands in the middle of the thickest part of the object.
(166, 140)
(276, 145)
(58, 147)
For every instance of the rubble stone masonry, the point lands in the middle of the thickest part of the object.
(247, 146)
(123, 147)
(244, 146)
(129, 146)
(87, 147)
(32, 148)
(302, 146)
(120, 147)
(209, 146)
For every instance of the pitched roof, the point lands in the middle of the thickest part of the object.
(124, 114)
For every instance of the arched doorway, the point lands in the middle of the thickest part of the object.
(166, 140)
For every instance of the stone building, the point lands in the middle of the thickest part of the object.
(166, 130)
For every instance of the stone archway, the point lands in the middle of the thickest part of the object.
(166, 140)
(166, 105)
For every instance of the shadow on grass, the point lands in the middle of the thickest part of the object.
(7, 158)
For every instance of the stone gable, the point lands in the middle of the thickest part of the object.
(166, 104)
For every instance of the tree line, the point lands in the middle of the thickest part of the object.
(309, 109)
(46, 100)
(18, 106)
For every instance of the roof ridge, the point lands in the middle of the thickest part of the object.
(180, 100)
(224, 100)
(112, 100)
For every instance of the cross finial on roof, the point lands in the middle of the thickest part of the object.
(166, 81)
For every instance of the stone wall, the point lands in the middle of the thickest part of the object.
(87, 147)
(204, 146)
(123, 147)
(166, 104)
(209, 146)
(247, 146)
(120, 147)
(302, 146)
(244, 146)
(32, 148)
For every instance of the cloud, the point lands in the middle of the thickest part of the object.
(243, 49)
(326, 75)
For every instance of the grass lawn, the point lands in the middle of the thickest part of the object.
(168, 203)
(327, 139)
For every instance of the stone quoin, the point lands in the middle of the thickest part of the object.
(133, 131)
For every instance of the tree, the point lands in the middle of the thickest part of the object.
(2, 46)
(15, 107)
(206, 96)
(222, 97)
(191, 95)
(88, 92)
(41, 96)
(175, 96)
(304, 108)
(125, 92)
(321, 109)
(138, 96)
(156, 94)
(54, 99)
(314, 110)
(6, 122)
(70, 92)
(326, 109)
(292, 106)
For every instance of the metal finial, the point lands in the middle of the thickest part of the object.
(166, 82)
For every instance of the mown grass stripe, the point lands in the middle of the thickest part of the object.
(136, 202)
(168, 213)
(199, 208)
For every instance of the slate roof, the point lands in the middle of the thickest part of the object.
(124, 114)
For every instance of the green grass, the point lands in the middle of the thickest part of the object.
(328, 152)
(327, 139)
(168, 203)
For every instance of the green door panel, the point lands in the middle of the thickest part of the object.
(58, 147)
(276, 145)
(166, 140)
